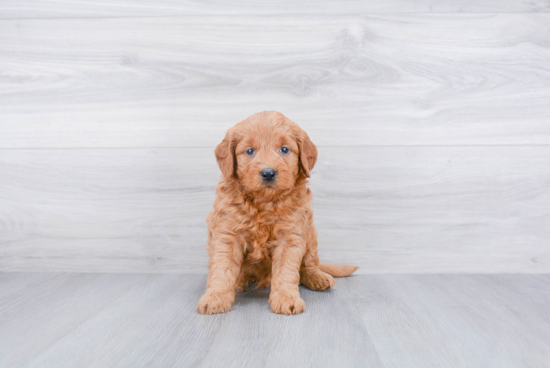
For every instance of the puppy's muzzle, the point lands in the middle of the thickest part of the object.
(268, 174)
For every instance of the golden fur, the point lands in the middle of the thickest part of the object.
(261, 233)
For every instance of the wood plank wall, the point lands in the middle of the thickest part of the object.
(432, 120)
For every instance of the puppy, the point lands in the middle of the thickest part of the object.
(261, 232)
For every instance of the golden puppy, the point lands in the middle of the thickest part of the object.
(261, 232)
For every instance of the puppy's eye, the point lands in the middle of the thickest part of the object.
(284, 150)
(250, 151)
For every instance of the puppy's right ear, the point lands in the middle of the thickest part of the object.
(225, 154)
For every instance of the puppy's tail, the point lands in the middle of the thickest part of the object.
(337, 271)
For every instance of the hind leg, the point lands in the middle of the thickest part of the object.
(310, 274)
(313, 278)
(317, 280)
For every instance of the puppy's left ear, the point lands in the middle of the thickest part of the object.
(225, 155)
(308, 151)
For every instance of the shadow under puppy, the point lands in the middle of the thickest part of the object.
(261, 232)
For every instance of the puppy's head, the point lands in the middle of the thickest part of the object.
(266, 152)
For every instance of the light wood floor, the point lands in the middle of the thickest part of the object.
(149, 320)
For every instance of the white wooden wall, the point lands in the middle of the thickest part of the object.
(432, 120)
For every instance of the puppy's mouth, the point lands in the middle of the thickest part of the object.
(264, 182)
(265, 187)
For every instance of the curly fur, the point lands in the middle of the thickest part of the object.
(261, 233)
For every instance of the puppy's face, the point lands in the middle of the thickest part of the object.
(266, 152)
(267, 157)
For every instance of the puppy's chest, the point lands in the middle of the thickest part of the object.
(264, 231)
(261, 227)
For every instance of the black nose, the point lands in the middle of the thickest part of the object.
(268, 174)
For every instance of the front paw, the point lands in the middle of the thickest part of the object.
(213, 302)
(286, 303)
